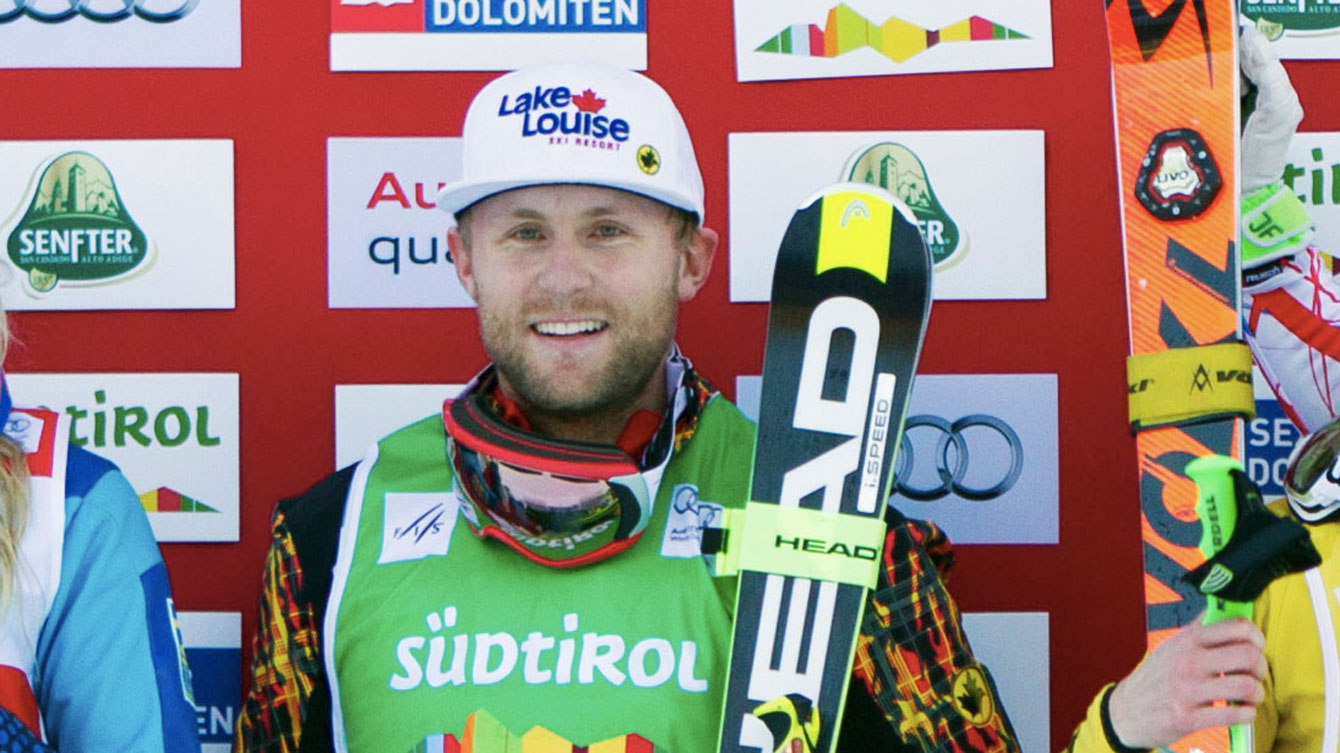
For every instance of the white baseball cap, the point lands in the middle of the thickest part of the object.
(575, 123)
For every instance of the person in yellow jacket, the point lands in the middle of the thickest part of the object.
(1281, 669)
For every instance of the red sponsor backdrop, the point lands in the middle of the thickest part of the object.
(291, 350)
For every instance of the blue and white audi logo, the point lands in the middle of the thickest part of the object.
(102, 11)
(951, 459)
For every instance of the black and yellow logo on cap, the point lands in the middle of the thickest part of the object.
(648, 159)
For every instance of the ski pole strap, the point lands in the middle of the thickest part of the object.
(1190, 385)
(1275, 224)
(802, 543)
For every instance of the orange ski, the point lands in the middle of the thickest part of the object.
(1175, 93)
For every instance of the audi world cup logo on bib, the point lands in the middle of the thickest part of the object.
(101, 11)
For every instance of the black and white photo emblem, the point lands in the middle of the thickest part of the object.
(1178, 177)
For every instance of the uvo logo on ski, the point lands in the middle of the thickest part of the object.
(1178, 178)
(485, 34)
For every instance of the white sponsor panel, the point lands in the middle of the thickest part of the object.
(116, 225)
(1015, 646)
(364, 413)
(799, 39)
(174, 436)
(1005, 488)
(391, 51)
(213, 643)
(979, 198)
(1313, 172)
(1310, 29)
(386, 239)
(132, 34)
(484, 35)
(1271, 437)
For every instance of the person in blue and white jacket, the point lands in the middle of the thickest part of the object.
(90, 654)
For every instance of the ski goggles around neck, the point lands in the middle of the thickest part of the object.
(557, 502)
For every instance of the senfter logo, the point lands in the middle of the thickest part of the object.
(76, 227)
(564, 117)
(1275, 17)
(898, 170)
(562, 658)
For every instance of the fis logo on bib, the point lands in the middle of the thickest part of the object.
(565, 118)
(76, 228)
(417, 526)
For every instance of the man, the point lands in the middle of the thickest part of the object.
(1280, 671)
(531, 557)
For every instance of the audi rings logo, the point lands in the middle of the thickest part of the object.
(952, 459)
(102, 11)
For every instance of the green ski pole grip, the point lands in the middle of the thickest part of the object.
(1217, 506)
(1218, 510)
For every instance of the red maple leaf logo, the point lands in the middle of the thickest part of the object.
(587, 101)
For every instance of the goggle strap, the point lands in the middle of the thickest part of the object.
(475, 427)
(494, 532)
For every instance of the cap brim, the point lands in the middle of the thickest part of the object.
(457, 196)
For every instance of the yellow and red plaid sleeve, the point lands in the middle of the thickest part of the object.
(914, 658)
(286, 657)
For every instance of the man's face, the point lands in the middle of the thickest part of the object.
(577, 290)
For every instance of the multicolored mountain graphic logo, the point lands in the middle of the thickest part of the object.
(846, 30)
(164, 499)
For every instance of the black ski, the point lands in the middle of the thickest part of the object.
(850, 302)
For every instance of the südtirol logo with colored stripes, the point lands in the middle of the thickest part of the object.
(846, 30)
(175, 438)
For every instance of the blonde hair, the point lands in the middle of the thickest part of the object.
(13, 495)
